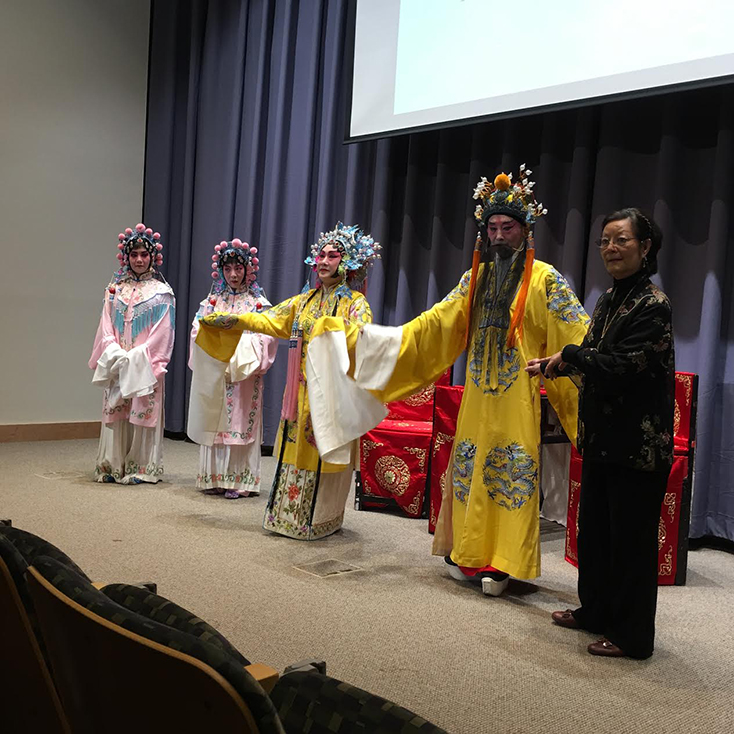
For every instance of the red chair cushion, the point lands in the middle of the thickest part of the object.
(405, 426)
(394, 465)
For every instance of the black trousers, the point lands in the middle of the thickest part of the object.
(619, 511)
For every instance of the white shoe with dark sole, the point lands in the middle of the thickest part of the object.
(490, 587)
(456, 573)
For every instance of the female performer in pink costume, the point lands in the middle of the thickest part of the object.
(232, 464)
(131, 351)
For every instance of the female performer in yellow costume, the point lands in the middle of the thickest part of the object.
(508, 309)
(309, 495)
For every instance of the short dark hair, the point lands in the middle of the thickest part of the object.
(645, 228)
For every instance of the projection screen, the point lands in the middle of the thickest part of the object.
(430, 63)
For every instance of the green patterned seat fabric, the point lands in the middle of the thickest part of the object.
(17, 567)
(160, 609)
(83, 593)
(31, 546)
(317, 704)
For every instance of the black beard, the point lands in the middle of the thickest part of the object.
(503, 250)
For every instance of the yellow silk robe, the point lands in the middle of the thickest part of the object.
(493, 478)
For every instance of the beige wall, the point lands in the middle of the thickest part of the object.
(73, 76)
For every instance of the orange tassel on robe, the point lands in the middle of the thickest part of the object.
(476, 257)
(514, 333)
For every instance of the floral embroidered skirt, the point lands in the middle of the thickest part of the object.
(230, 466)
(307, 505)
(129, 452)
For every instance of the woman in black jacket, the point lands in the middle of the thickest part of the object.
(625, 369)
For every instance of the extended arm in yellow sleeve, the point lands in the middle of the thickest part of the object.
(219, 333)
(429, 345)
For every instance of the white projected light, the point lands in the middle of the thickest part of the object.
(422, 63)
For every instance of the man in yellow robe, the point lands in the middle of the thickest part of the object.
(508, 309)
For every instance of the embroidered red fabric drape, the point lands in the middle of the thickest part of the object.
(394, 456)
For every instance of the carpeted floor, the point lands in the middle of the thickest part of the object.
(398, 626)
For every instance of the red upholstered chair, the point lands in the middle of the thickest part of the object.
(676, 507)
(394, 456)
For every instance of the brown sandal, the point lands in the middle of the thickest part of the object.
(566, 619)
(606, 648)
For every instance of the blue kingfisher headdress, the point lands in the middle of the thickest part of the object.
(358, 250)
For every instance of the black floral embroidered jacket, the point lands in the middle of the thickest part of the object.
(627, 366)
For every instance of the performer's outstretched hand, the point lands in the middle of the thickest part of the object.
(220, 320)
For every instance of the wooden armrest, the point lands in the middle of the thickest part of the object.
(266, 676)
(149, 585)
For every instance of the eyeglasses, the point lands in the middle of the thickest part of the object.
(605, 242)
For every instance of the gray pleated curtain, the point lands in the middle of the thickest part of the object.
(246, 117)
